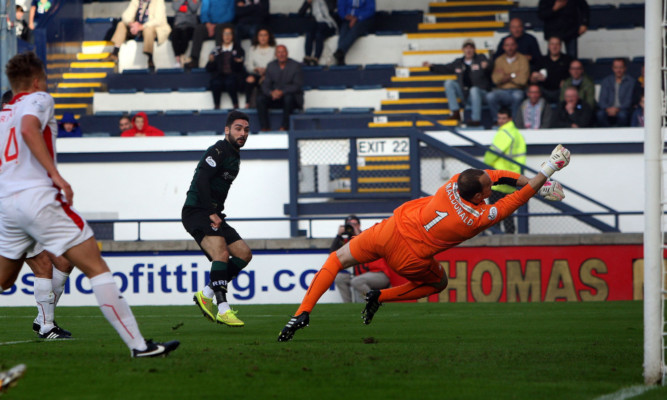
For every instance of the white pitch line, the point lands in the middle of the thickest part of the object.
(18, 342)
(627, 393)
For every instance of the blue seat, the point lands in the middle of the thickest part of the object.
(172, 133)
(179, 112)
(356, 110)
(140, 71)
(213, 112)
(169, 70)
(332, 87)
(349, 67)
(157, 90)
(320, 110)
(96, 134)
(123, 91)
(202, 133)
(110, 113)
(366, 87)
(389, 33)
(379, 66)
(192, 89)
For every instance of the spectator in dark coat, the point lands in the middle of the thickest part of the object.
(534, 112)
(551, 70)
(225, 64)
(185, 21)
(250, 16)
(566, 19)
(527, 44)
(472, 81)
(581, 81)
(637, 119)
(616, 96)
(573, 112)
(282, 88)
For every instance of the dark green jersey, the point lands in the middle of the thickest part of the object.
(213, 177)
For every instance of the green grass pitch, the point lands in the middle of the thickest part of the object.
(410, 351)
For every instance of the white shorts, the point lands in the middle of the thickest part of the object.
(38, 215)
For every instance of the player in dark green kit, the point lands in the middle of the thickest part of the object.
(203, 218)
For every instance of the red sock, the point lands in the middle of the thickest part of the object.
(408, 291)
(321, 283)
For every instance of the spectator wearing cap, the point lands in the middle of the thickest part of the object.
(471, 84)
(68, 126)
(526, 43)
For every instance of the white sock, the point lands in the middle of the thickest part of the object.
(58, 283)
(46, 305)
(117, 312)
(208, 292)
(223, 307)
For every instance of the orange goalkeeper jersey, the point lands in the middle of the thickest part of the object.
(436, 223)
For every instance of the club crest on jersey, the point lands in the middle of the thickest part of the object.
(493, 213)
(210, 161)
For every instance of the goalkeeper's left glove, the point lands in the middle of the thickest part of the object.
(553, 191)
(559, 159)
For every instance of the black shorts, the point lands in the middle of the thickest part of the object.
(198, 224)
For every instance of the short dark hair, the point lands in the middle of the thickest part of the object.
(621, 59)
(469, 184)
(505, 111)
(19, 8)
(22, 69)
(234, 115)
(352, 217)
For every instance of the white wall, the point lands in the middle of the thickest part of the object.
(145, 190)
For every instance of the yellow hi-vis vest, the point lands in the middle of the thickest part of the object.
(509, 142)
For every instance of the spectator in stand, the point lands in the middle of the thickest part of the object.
(282, 88)
(250, 16)
(124, 124)
(573, 112)
(145, 18)
(358, 18)
(363, 277)
(321, 26)
(638, 115)
(509, 142)
(472, 81)
(185, 20)
(534, 112)
(38, 11)
(550, 71)
(582, 82)
(615, 100)
(566, 19)
(21, 26)
(510, 75)
(526, 43)
(225, 63)
(68, 126)
(262, 52)
(213, 17)
(140, 127)
(6, 98)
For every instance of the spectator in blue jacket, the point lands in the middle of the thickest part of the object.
(214, 14)
(250, 16)
(616, 96)
(69, 126)
(358, 18)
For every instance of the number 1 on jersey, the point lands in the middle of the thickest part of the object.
(440, 217)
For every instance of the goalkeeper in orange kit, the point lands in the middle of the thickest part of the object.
(422, 228)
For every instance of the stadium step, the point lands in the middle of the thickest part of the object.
(467, 6)
(375, 174)
(461, 26)
(76, 73)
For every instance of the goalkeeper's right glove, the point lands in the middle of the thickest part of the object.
(559, 159)
(553, 191)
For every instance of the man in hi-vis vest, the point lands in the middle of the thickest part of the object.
(509, 142)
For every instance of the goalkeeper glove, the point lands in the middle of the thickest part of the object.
(553, 191)
(559, 159)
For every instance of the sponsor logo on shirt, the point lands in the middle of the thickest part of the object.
(493, 213)
(210, 161)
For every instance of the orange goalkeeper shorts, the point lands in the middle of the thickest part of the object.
(384, 241)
